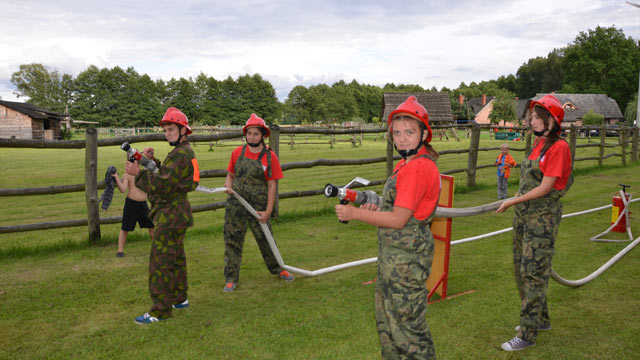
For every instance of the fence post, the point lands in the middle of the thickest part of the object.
(623, 145)
(603, 133)
(274, 144)
(472, 161)
(572, 143)
(91, 183)
(634, 144)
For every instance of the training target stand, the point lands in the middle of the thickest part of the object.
(441, 228)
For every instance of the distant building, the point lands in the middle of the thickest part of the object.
(577, 105)
(437, 104)
(28, 122)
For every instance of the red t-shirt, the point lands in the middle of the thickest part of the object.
(556, 162)
(418, 185)
(276, 170)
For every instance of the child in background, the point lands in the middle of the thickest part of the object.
(505, 162)
(135, 210)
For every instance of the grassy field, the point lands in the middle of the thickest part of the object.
(61, 297)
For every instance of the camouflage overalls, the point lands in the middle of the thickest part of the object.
(171, 213)
(404, 264)
(251, 184)
(535, 226)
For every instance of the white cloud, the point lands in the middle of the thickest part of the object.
(289, 42)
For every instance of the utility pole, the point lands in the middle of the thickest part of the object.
(638, 102)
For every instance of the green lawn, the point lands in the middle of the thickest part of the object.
(62, 298)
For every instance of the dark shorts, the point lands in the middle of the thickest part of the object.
(135, 212)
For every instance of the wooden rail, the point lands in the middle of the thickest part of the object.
(91, 143)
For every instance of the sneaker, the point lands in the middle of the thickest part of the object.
(182, 305)
(516, 344)
(542, 327)
(230, 287)
(120, 255)
(284, 274)
(146, 319)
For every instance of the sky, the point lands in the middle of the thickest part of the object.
(298, 42)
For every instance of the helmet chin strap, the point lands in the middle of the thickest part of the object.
(547, 131)
(255, 145)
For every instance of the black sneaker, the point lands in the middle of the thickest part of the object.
(516, 344)
(120, 255)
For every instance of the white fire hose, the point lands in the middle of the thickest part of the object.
(440, 212)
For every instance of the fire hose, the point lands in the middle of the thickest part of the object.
(440, 212)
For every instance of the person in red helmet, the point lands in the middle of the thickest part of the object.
(545, 176)
(171, 213)
(253, 173)
(405, 241)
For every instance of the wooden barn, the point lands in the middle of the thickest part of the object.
(437, 104)
(28, 122)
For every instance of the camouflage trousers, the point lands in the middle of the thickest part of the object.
(236, 218)
(534, 233)
(404, 264)
(167, 270)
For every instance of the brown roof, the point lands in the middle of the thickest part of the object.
(33, 111)
(437, 104)
(599, 103)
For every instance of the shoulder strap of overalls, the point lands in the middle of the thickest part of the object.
(266, 151)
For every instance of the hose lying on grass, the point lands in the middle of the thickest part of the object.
(440, 212)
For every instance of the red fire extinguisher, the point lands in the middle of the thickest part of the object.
(617, 209)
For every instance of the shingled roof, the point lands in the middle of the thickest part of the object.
(599, 103)
(437, 104)
(33, 111)
(476, 103)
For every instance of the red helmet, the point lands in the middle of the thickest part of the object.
(553, 106)
(412, 108)
(255, 120)
(173, 115)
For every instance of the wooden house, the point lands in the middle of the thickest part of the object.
(437, 104)
(28, 122)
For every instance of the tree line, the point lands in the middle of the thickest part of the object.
(599, 61)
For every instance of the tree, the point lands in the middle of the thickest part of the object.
(603, 61)
(181, 93)
(540, 75)
(297, 106)
(341, 103)
(43, 86)
(631, 111)
(504, 108)
(592, 118)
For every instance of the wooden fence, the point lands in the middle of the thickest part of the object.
(627, 135)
